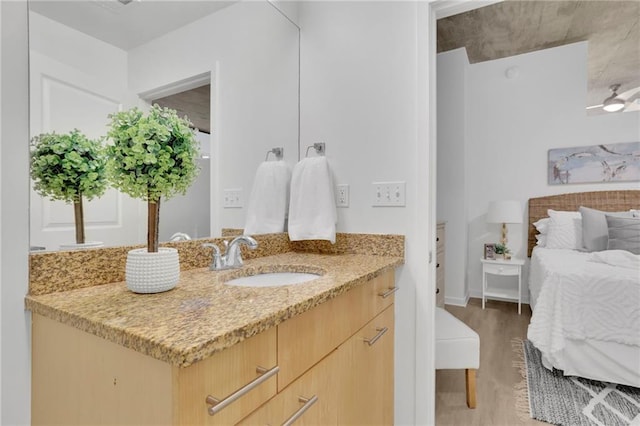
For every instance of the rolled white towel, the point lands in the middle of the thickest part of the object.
(269, 199)
(312, 208)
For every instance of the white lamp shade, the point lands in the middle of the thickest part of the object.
(504, 212)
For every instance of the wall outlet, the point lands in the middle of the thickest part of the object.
(342, 195)
(388, 194)
(232, 198)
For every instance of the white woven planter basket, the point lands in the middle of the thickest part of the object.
(152, 272)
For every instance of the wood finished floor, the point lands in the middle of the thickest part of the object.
(497, 325)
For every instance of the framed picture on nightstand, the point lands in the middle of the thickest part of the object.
(490, 251)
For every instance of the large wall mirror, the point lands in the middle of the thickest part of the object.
(231, 67)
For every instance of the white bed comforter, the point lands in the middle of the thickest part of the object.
(583, 296)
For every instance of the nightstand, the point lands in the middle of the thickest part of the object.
(502, 267)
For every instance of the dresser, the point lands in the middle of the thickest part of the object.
(440, 228)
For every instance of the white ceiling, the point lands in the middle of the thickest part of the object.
(126, 26)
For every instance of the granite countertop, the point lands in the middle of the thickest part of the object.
(202, 315)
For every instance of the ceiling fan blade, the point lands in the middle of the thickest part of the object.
(632, 106)
(626, 95)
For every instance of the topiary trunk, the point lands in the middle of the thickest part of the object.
(153, 220)
(79, 219)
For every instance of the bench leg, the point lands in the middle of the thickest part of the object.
(470, 375)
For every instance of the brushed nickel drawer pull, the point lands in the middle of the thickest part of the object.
(308, 402)
(375, 338)
(218, 405)
(388, 292)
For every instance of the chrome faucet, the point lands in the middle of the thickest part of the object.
(232, 258)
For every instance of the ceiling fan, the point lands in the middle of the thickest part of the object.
(623, 102)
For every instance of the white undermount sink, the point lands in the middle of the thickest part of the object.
(273, 279)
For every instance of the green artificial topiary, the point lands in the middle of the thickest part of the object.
(68, 167)
(152, 156)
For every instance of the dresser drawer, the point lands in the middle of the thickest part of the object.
(502, 269)
(439, 263)
(307, 338)
(440, 237)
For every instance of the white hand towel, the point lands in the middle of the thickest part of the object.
(269, 199)
(312, 208)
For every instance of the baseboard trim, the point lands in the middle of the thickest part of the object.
(457, 301)
(478, 295)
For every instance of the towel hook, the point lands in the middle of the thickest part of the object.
(278, 152)
(318, 146)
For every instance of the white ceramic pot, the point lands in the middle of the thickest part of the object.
(152, 272)
(82, 246)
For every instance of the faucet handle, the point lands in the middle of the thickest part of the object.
(216, 262)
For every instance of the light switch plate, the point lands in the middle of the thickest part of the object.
(232, 198)
(388, 194)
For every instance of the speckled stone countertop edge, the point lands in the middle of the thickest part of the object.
(180, 358)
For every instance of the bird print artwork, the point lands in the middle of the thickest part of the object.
(619, 162)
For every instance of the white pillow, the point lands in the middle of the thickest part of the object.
(565, 230)
(541, 240)
(542, 225)
(635, 213)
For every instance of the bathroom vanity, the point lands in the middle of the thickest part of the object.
(210, 353)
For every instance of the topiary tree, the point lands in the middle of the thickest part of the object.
(152, 156)
(68, 167)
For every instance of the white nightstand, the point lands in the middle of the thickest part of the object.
(502, 267)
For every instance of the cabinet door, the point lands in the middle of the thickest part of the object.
(82, 379)
(365, 367)
(313, 397)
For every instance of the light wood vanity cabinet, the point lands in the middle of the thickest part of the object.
(345, 346)
(340, 352)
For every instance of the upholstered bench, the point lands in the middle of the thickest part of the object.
(457, 346)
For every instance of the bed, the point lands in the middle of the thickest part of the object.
(586, 305)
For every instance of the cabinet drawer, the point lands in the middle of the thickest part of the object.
(313, 396)
(306, 339)
(221, 375)
(501, 269)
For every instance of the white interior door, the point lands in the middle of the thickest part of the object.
(63, 98)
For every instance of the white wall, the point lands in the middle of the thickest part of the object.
(251, 51)
(361, 76)
(510, 126)
(14, 198)
(452, 69)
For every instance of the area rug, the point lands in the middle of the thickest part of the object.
(573, 401)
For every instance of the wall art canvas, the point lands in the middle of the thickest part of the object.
(616, 162)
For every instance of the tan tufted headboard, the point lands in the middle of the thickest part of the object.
(609, 201)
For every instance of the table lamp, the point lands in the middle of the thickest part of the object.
(504, 212)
